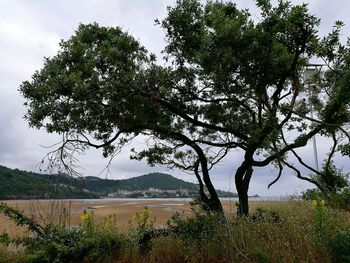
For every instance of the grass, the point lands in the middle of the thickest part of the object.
(288, 231)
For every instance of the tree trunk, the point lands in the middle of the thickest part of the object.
(213, 203)
(242, 180)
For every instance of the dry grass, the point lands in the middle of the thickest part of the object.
(297, 232)
(294, 237)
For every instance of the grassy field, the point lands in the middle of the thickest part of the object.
(277, 231)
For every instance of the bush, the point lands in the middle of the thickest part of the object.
(311, 194)
(341, 200)
(340, 247)
(141, 229)
(264, 215)
(59, 244)
(194, 228)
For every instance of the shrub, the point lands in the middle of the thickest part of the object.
(311, 194)
(264, 215)
(194, 228)
(141, 229)
(341, 200)
(70, 246)
(59, 244)
(340, 247)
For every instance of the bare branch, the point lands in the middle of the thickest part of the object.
(301, 141)
(310, 180)
(300, 160)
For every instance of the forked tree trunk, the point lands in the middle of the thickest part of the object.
(242, 180)
(211, 203)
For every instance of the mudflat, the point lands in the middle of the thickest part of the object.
(70, 211)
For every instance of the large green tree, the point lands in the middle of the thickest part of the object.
(228, 83)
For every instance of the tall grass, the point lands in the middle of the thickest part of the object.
(288, 231)
(291, 231)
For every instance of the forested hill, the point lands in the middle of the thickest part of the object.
(17, 184)
(153, 180)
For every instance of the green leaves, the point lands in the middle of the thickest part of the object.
(80, 88)
(229, 82)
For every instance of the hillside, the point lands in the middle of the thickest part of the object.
(17, 184)
(153, 180)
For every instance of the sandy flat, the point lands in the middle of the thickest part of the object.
(47, 211)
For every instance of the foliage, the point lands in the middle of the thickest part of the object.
(200, 226)
(304, 232)
(331, 178)
(294, 237)
(20, 219)
(335, 189)
(142, 229)
(155, 180)
(17, 184)
(340, 247)
(311, 194)
(89, 242)
(330, 232)
(59, 243)
(340, 200)
(228, 82)
(262, 215)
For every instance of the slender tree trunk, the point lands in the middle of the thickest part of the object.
(213, 203)
(242, 180)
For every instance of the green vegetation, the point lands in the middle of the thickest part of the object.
(334, 187)
(152, 180)
(291, 231)
(16, 184)
(228, 82)
(59, 243)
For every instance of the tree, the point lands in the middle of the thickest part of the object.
(228, 83)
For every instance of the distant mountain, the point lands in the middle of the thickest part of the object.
(153, 180)
(17, 184)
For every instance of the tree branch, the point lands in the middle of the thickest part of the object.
(303, 177)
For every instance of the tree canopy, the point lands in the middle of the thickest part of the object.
(227, 82)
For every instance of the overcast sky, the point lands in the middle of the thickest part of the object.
(31, 30)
